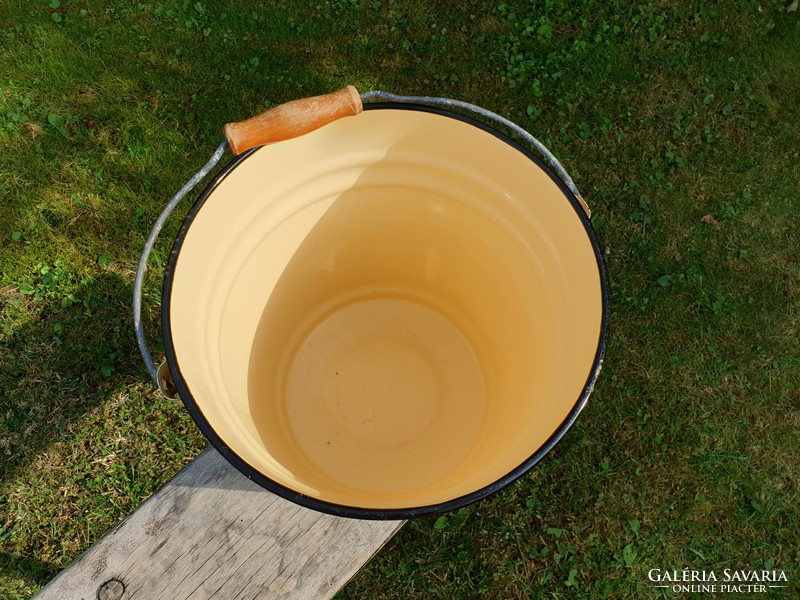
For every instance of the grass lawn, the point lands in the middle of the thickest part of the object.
(688, 454)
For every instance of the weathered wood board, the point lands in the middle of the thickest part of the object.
(212, 533)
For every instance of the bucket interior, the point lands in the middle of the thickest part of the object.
(394, 311)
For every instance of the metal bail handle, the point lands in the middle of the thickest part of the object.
(494, 118)
(284, 122)
(161, 376)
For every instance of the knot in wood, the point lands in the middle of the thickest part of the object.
(113, 589)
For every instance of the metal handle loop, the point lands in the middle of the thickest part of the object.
(148, 247)
(493, 117)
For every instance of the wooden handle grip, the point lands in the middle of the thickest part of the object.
(292, 119)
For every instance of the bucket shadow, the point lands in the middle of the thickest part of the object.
(322, 268)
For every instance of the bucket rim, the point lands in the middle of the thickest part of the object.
(356, 512)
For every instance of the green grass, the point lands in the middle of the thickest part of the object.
(687, 455)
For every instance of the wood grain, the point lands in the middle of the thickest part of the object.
(212, 533)
(292, 119)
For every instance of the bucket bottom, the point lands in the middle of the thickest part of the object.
(384, 395)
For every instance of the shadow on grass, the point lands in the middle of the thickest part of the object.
(13, 566)
(75, 348)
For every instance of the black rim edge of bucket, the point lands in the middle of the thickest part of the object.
(355, 512)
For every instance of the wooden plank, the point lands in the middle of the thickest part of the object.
(212, 533)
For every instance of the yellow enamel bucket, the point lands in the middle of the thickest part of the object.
(395, 314)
